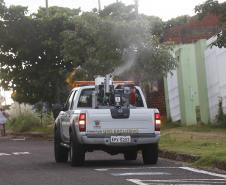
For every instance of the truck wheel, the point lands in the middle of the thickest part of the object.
(77, 152)
(61, 153)
(129, 156)
(150, 154)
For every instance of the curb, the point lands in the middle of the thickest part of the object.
(188, 158)
(220, 165)
(178, 157)
(33, 135)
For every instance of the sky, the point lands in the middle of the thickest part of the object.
(165, 9)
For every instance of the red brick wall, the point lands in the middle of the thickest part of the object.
(192, 31)
(157, 99)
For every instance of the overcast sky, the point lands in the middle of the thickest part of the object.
(164, 9)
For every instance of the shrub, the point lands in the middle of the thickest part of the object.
(24, 122)
(22, 118)
(221, 117)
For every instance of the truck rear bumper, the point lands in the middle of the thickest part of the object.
(136, 139)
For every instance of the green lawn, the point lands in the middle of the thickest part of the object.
(207, 142)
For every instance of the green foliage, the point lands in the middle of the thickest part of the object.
(93, 46)
(119, 12)
(24, 122)
(56, 11)
(219, 9)
(206, 142)
(38, 51)
(221, 117)
(31, 59)
(153, 62)
(118, 42)
(177, 21)
(22, 118)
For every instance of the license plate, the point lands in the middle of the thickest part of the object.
(120, 139)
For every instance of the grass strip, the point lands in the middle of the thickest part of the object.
(207, 143)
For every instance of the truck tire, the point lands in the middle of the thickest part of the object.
(77, 152)
(61, 153)
(129, 156)
(150, 154)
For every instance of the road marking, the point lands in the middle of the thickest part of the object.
(4, 154)
(15, 153)
(221, 177)
(136, 168)
(203, 172)
(21, 153)
(140, 173)
(19, 139)
(170, 181)
(137, 181)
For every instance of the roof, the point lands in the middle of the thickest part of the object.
(193, 31)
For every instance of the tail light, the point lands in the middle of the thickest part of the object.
(82, 122)
(157, 121)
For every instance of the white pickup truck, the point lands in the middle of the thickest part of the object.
(89, 121)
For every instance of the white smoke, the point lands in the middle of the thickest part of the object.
(129, 56)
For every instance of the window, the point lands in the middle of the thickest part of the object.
(139, 102)
(73, 101)
(85, 99)
(69, 100)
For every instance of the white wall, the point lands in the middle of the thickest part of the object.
(5, 97)
(215, 60)
(173, 93)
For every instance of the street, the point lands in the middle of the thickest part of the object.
(27, 162)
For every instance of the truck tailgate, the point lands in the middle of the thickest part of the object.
(101, 121)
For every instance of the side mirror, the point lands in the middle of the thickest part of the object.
(56, 108)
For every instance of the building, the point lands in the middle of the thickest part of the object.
(186, 89)
(215, 63)
(193, 31)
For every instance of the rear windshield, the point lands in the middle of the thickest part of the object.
(85, 99)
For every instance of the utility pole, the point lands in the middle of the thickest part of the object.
(99, 5)
(137, 7)
(47, 8)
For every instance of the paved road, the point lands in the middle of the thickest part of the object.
(31, 163)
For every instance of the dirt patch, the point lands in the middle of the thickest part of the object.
(178, 157)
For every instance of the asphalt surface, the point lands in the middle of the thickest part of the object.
(27, 162)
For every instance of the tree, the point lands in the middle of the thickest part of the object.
(177, 21)
(31, 59)
(56, 11)
(116, 41)
(95, 46)
(153, 61)
(38, 51)
(119, 12)
(219, 9)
